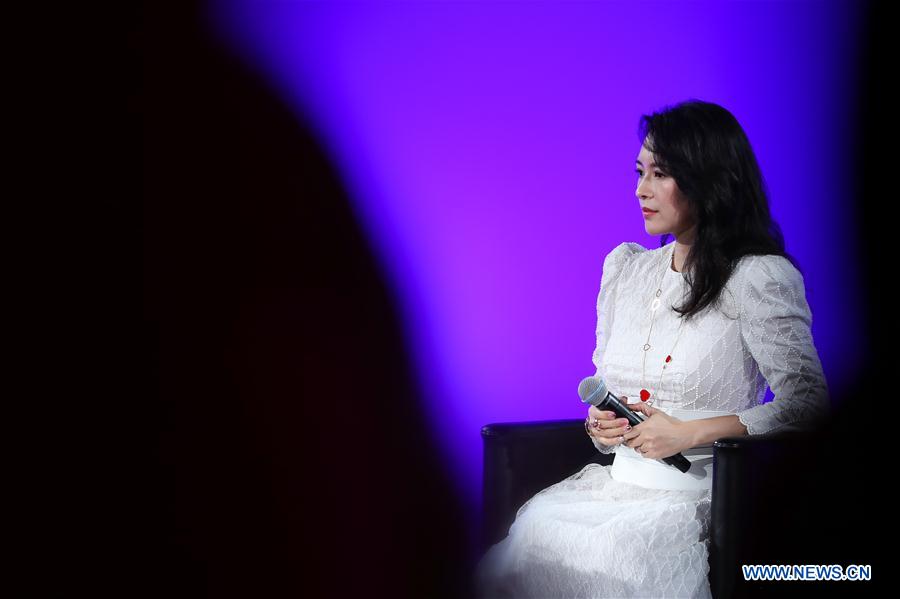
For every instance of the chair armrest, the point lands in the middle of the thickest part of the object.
(522, 458)
(740, 468)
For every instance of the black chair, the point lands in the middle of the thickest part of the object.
(521, 458)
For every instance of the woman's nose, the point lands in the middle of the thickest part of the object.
(640, 192)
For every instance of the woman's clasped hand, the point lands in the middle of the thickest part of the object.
(605, 427)
(659, 436)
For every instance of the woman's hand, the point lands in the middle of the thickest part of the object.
(659, 436)
(605, 427)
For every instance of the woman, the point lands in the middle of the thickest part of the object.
(690, 334)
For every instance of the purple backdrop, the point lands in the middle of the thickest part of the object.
(489, 150)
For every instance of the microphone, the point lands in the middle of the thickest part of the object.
(593, 391)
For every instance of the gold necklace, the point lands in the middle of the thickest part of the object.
(645, 394)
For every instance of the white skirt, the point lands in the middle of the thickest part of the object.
(632, 467)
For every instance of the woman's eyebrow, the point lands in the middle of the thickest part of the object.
(642, 164)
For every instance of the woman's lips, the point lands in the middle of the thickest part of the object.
(648, 212)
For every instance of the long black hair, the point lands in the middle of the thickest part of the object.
(704, 148)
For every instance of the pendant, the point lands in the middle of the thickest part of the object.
(645, 395)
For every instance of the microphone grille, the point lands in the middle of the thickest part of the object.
(592, 390)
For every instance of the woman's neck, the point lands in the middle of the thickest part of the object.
(680, 254)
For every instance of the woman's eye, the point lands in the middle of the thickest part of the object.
(658, 174)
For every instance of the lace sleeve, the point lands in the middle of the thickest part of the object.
(613, 265)
(775, 322)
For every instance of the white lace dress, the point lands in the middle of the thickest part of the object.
(639, 528)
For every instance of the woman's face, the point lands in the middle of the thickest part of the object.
(658, 191)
